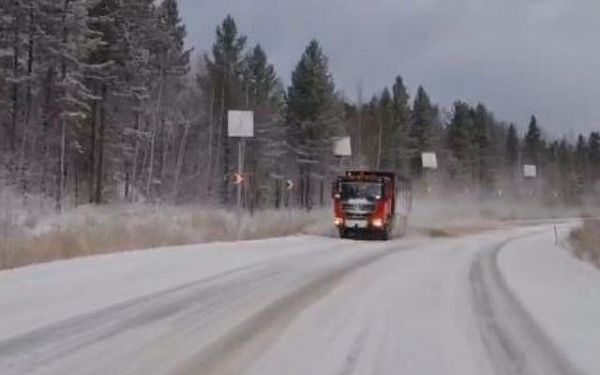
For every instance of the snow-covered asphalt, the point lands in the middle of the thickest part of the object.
(493, 303)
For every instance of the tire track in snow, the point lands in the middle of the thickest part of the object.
(242, 345)
(201, 299)
(190, 308)
(515, 343)
(353, 356)
(65, 338)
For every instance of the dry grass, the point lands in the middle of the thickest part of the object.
(91, 231)
(586, 241)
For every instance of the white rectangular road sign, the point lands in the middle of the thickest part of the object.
(429, 160)
(530, 171)
(240, 124)
(342, 147)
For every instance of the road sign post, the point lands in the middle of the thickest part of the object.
(240, 170)
(240, 124)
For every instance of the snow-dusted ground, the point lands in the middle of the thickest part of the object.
(39, 295)
(560, 291)
(301, 305)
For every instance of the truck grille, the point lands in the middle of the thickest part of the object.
(357, 216)
(358, 208)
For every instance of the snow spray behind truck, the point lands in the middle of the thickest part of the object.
(370, 203)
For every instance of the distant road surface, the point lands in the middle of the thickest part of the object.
(306, 305)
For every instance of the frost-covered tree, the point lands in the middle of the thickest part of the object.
(98, 104)
(263, 94)
(533, 143)
(313, 115)
(401, 128)
(224, 80)
(512, 149)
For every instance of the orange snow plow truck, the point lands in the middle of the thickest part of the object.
(371, 204)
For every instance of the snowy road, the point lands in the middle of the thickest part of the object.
(299, 305)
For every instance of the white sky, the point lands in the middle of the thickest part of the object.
(517, 56)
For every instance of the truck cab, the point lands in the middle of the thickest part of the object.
(365, 203)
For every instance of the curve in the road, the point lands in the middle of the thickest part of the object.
(516, 345)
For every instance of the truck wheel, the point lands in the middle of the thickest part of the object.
(385, 234)
(343, 233)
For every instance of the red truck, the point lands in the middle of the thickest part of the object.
(368, 203)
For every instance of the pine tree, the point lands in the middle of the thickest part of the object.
(402, 115)
(264, 154)
(63, 48)
(483, 154)
(581, 156)
(225, 69)
(533, 143)
(171, 61)
(313, 114)
(512, 149)
(312, 92)
(460, 139)
(422, 127)
(386, 149)
(123, 33)
(260, 81)
(593, 147)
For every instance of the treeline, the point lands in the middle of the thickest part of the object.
(93, 97)
(476, 153)
(100, 102)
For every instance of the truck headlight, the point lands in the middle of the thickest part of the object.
(338, 221)
(378, 223)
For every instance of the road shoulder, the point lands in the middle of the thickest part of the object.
(559, 291)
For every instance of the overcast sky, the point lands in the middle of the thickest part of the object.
(517, 56)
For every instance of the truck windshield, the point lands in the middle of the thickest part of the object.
(368, 190)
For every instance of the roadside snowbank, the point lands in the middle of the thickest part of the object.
(560, 292)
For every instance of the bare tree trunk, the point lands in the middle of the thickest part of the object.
(180, 162)
(211, 118)
(153, 136)
(46, 125)
(15, 87)
(164, 153)
(61, 171)
(29, 99)
(138, 128)
(92, 160)
(76, 172)
(63, 125)
(100, 170)
(221, 147)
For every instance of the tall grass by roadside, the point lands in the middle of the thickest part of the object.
(586, 241)
(92, 230)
